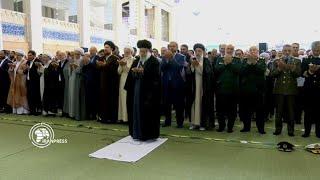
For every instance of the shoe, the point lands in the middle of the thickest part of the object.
(220, 129)
(202, 129)
(192, 127)
(305, 135)
(179, 126)
(230, 131)
(166, 125)
(245, 130)
(44, 113)
(291, 134)
(262, 132)
(276, 133)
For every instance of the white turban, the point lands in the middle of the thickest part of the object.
(20, 52)
(265, 55)
(80, 50)
(47, 54)
(129, 47)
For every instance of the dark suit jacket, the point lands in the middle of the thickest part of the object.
(173, 71)
(252, 79)
(4, 81)
(61, 67)
(227, 76)
(312, 81)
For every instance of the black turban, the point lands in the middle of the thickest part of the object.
(144, 44)
(198, 45)
(111, 44)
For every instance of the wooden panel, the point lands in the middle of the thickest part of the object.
(11, 45)
(53, 48)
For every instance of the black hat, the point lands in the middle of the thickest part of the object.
(285, 146)
(144, 44)
(111, 44)
(199, 45)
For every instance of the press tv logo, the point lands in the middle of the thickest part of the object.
(41, 135)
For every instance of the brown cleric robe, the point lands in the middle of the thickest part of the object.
(109, 90)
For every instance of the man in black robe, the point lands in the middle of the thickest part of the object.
(33, 84)
(143, 94)
(206, 107)
(51, 87)
(4, 82)
(109, 85)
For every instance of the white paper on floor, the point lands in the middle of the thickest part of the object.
(127, 149)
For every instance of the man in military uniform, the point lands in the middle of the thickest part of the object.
(227, 73)
(311, 72)
(251, 90)
(300, 80)
(285, 71)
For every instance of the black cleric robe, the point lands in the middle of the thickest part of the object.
(109, 90)
(51, 89)
(33, 87)
(143, 100)
(4, 82)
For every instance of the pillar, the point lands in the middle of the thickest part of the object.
(84, 22)
(34, 25)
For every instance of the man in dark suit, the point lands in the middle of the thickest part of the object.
(63, 65)
(311, 72)
(92, 79)
(4, 82)
(173, 79)
(269, 96)
(33, 84)
(184, 49)
(227, 71)
(285, 71)
(251, 90)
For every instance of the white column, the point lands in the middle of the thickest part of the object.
(34, 28)
(172, 26)
(84, 22)
(117, 21)
(1, 40)
(158, 27)
(141, 20)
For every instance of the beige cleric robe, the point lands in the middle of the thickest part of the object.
(123, 72)
(196, 106)
(17, 97)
